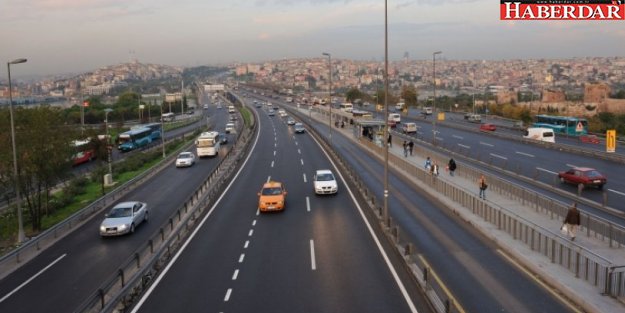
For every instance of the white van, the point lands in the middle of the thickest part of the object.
(400, 106)
(409, 128)
(426, 111)
(540, 133)
(474, 118)
(395, 117)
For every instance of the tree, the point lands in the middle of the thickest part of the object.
(409, 94)
(353, 94)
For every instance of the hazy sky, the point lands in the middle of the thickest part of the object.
(61, 36)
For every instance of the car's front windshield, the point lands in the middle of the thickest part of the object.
(120, 212)
(325, 177)
(271, 191)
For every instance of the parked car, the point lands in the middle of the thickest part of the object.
(299, 128)
(488, 127)
(589, 139)
(185, 159)
(123, 218)
(324, 182)
(584, 177)
(272, 197)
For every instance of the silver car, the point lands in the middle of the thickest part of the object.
(124, 218)
(185, 159)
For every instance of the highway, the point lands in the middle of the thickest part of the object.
(61, 277)
(316, 256)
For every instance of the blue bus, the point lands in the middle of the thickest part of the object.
(568, 125)
(134, 139)
(155, 127)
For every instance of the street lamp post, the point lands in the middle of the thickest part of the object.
(434, 96)
(108, 140)
(386, 125)
(329, 92)
(162, 132)
(20, 232)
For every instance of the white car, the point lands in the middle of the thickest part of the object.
(124, 218)
(325, 183)
(185, 159)
(229, 128)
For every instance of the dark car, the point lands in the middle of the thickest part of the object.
(223, 138)
(488, 127)
(299, 128)
(584, 177)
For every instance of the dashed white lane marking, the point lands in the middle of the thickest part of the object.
(275, 138)
(457, 137)
(571, 165)
(544, 170)
(296, 143)
(254, 223)
(271, 163)
(298, 151)
(235, 275)
(228, 293)
(247, 244)
(257, 212)
(274, 152)
(611, 190)
(32, 278)
(313, 263)
(302, 160)
(242, 257)
(250, 233)
(486, 144)
(275, 145)
(440, 138)
(307, 204)
(304, 177)
(464, 146)
(268, 178)
(499, 156)
(525, 154)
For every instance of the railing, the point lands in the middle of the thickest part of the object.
(120, 291)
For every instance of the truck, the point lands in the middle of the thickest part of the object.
(208, 144)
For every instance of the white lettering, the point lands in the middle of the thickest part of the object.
(613, 12)
(569, 12)
(588, 12)
(543, 11)
(509, 9)
(528, 13)
(599, 12)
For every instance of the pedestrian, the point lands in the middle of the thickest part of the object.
(482, 184)
(434, 169)
(405, 146)
(410, 146)
(390, 140)
(428, 164)
(451, 166)
(572, 221)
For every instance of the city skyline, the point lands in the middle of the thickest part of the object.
(70, 36)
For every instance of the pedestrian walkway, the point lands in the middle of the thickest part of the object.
(581, 292)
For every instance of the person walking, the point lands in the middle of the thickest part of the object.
(405, 146)
(434, 169)
(428, 164)
(482, 184)
(390, 140)
(410, 146)
(451, 166)
(572, 221)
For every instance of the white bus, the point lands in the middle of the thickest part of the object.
(208, 144)
(540, 134)
(168, 117)
(346, 107)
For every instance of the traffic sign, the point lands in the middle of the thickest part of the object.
(579, 128)
(610, 140)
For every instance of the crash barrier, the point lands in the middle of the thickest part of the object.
(31, 248)
(120, 292)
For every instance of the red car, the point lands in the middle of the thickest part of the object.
(488, 127)
(392, 123)
(589, 139)
(583, 176)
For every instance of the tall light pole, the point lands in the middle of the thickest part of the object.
(108, 140)
(386, 125)
(434, 98)
(329, 91)
(18, 199)
(162, 132)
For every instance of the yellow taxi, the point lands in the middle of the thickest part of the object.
(272, 197)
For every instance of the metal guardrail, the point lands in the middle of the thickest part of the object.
(35, 245)
(120, 291)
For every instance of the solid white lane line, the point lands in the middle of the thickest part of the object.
(525, 154)
(242, 257)
(307, 204)
(302, 160)
(254, 223)
(571, 165)
(313, 263)
(612, 190)
(32, 278)
(457, 137)
(271, 163)
(235, 275)
(545, 170)
(304, 177)
(486, 144)
(247, 244)
(250, 233)
(228, 293)
(464, 146)
(499, 156)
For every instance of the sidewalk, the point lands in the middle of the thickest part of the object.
(583, 293)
